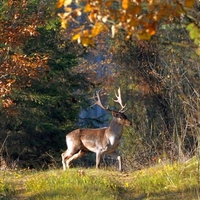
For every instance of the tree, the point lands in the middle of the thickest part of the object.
(46, 93)
(139, 19)
(162, 81)
(153, 59)
(19, 21)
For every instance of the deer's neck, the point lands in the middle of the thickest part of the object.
(115, 129)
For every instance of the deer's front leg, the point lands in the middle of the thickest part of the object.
(98, 159)
(115, 155)
(119, 158)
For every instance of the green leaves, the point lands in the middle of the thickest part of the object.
(194, 33)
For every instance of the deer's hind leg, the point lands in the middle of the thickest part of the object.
(68, 157)
(64, 156)
(74, 157)
(73, 151)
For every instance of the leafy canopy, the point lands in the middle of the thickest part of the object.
(138, 18)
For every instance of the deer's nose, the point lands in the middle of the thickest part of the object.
(128, 123)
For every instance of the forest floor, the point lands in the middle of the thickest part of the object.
(164, 181)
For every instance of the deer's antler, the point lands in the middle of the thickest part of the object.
(119, 100)
(99, 102)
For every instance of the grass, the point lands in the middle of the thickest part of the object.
(177, 181)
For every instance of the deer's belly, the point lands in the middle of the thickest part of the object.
(91, 145)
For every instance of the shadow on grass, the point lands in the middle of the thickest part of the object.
(186, 194)
(65, 195)
(122, 194)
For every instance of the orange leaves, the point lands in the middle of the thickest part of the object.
(98, 28)
(189, 3)
(92, 17)
(147, 33)
(135, 17)
(86, 37)
(7, 103)
(18, 70)
(144, 36)
(125, 4)
(60, 3)
(86, 41)
(19, 22)
(134, 10)
(88, 7)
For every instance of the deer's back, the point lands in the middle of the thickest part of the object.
(87, 134)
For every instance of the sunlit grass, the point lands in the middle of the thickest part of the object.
(71, 184)
(163, 181)
(7, 180)
(168, 178)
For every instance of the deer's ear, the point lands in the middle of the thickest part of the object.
(114, 114)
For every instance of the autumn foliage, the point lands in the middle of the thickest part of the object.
(16, 67)
(137, 18)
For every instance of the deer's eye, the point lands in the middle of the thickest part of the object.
(117, 115)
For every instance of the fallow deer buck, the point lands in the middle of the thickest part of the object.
(101, 140)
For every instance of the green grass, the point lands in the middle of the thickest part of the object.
(72, 184)
(177, 181)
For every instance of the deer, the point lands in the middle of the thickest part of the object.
(99, 140)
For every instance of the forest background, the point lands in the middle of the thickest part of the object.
(148, 48)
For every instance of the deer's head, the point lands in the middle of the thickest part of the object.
(121, 118)
(118, 116)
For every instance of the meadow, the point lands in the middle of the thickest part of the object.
(162, 181)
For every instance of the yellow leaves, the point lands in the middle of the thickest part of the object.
(67, 2)
(88, 7)
(98, 28)
(60, 3)
(126, 184)
(86, 41)
(86, 37)
(134, 17)
(147, 33)
(144, 36)
(92, 17)
(125, 4)
(83, 38)
(76, 37)
(63, 23)
(189, 3)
